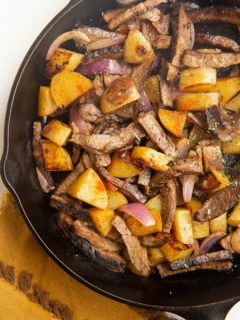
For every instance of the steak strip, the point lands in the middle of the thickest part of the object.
(157, 134)
(194, 59)
(137, 254)
(140, 74)
(66, 204)
(190, 165)
(165, 270)
(169, 193)
(219, 203)
(218, 41)
(205, 258)
(133, 12)
(153, 242)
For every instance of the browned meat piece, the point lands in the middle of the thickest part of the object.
(216, 14)
(109, 78)
(190, 165)
(225, 242)
(87, 160)
(212, 158)
(220, 202)
(163, 42)
(111, 14)
(170, 72)
(161, 178)
(183, 36)
(198, 118)
(166, 94)
(197, 134)
(235, 71)
(76, 153)
(90, 113)
(199, 260)
(151, 15)
(153, 241)
(106, 143)
(207, 182)
(165, 270)
(103, 160)
(137, 254)
(131, 191)
(157, 41)
(66, 204)
(130, 111)
(134, 24)
(218, 41)
(162, 25)
(115, 52)
(144, 177)
(169, 194)
(133, 12)
(140, 74)
(157, 134)
(194, 59)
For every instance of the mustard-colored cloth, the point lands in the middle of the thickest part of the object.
(20, 249)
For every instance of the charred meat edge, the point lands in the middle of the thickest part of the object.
(169, 193)
(151, 241)
(190, 165)
(218, 41)
(205, 258)
(137, 254)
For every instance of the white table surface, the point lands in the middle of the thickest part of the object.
(20, 24)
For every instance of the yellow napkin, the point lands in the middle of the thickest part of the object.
(22, 256)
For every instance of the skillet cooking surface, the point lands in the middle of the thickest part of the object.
(18, 172)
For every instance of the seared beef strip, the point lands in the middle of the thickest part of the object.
(166, 93)
(114, 52)
(194, 59)
(157, 134)
(104, 160)
(199, 260)
(220, 202)
(133, 12)
(212, 157)
(160, 178)
(90, 113)
(153, 241)
(169, 71)
(165, 270)
(169, 194)
(111, 14)
(144, 177)
(190, 165)
(215, 14)
(162, 25)
(157, 41)
(66, 204)
(140, 74)
(106, 143)
(218, 41)
(137, 254)
(163, 42)
(183, 36)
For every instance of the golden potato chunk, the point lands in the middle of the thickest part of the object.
(174, 250)
(57, 131)
(67, 86)
(116, 199)
(173, 121)
(155, 256)
(137, 48)
(63, 59)
(155, 203)
(55, 157)
(234, 104)
(222, 178)
(139, 229)
(46, 104)
(120, 92)
(102, 220)
(151, 158)
(232, 147)
(123, 167)
(197, 101)
(89, 188)
(234, 217)
(182, 226)
(197, 76)
(219, 224)
(152, 88)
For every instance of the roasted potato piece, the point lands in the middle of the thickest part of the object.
(46, 104)
(151, 158)
(102, 219)
(173, 121)
(57, 131)
(139, 229)
(197, 101)
(234, 104)
(234, 217)
(174, 250)
(116, 199)
(222, 178)
(120, 92)
(155, 203)
(130, 265)
(152, 88)
(182, 226)
(55, 157)
(235, 241)
(232, 147)
(194, 205)
(155, 256)
(89, 188)
(123, 167)
(219, 224)
(137, 48)
(63, 59)
(67, 86)
(197, 76)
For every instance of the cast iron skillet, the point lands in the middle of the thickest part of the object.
(195, 296)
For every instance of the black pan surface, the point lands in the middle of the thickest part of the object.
(183, 294)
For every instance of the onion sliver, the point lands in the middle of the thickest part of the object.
(210, 241)
(140, 212)
(100, 66)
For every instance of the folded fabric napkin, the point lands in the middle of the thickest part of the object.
(33, 286)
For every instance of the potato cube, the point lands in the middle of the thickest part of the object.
(194, 205)
(151, 158)
(152, 89)
(123, 167)
(234, 217)
(137, 48)
(55, 157)
(139, 229)
(116, 199)
(89, 188)
(174, 250)
(197, 76)
(222, 178)
(57, 131)
(155, 203)
(234, 104)
(102, 220)
(173, 121)
(232, 147)
(219, 224)
(197, 101)
(155, 256)
(182, 226)
(46, 104)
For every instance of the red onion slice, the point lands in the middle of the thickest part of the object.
(74, 116)
(210, 241)
(104, 43)
(140, 212)
(188, 182)
(145, 102)
(100, 66)
(45, 180)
